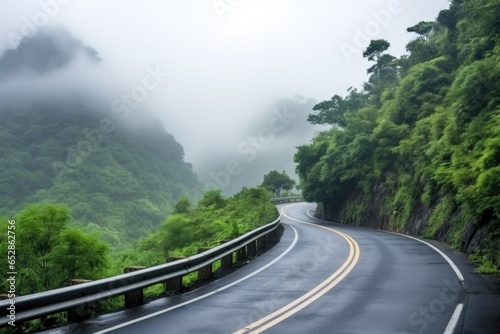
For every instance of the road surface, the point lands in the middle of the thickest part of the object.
(326, 278)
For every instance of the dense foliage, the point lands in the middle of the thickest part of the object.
(48, 251)
(122, 187)
(213, 220)
(418, 149)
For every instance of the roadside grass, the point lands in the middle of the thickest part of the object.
(485, 265)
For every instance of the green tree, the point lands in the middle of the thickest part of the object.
(333, 111)
(278, 182)
(423, 29)
(50, 253)
(182, 206)
(176, 232)
(39, 229)
(79, 255)
(421, 49)
(375, 50)
(213, 198)
(383, 72)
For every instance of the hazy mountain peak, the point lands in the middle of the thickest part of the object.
(51, 48)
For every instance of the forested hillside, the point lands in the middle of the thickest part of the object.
(117, 179)
(417, 149)
(214, 220)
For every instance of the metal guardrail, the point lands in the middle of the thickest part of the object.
(290, 199)
(59, 300)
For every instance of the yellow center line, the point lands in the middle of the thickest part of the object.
(314, 294)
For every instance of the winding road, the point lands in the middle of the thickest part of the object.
(326, 278)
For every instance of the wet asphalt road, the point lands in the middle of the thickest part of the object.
(321, 281)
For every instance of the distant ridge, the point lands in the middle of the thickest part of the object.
(50, 49)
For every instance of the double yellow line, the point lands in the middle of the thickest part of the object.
(311, 296)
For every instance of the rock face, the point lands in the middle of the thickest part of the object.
(471, 237)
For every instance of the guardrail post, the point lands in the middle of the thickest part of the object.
(174, 285)
(252, 249)
(241, 255)
(268, 240)
(274, 236)
(204, 273)
(227, 261)
(136, 297)
(85, 311)
(261, 244)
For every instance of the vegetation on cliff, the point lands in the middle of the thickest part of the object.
(418, 148)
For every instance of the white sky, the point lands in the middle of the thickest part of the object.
(226, 68)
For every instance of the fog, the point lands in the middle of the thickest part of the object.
(235, 78)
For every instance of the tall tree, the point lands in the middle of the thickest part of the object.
(376, 48)
(278, 182)
(383, 72)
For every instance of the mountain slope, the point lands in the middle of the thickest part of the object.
(119, 178)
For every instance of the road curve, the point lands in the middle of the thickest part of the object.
(318, 279)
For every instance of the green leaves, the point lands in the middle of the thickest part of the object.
(333, 111)
(183, 206)
(214, 220)
(419, 92)
(49, 252)
(479, 29)
(213, 198)
(384, 72)
(80, 255)
(330, 112)
(41, 226)
(475, 89)
(423, 28)
(176, 232)
(375, 49)
(277, 182)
